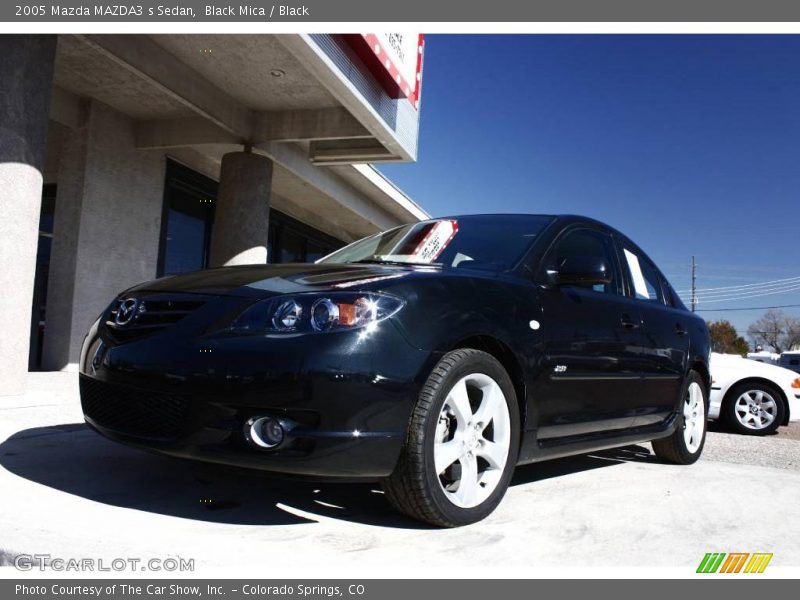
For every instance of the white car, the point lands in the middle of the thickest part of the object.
(752, 397)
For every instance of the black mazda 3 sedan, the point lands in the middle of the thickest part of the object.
(433, 357)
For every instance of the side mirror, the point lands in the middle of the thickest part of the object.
(583, 270)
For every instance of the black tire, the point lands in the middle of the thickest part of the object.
(414, 487)
(728, 412)
(674, 448)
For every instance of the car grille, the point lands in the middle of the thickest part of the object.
(133, 411)
(153, 313)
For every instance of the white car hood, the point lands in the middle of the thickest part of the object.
(751, 368)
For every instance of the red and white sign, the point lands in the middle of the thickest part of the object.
(435, 241)
(395, 59)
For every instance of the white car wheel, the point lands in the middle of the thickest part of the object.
(694, 417)
(471, 447)
(756, 409)
(685, 443)
(462, 445)
(753, 408)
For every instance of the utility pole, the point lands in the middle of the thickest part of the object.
(694, 285)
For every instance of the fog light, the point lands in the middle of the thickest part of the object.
(265, 432)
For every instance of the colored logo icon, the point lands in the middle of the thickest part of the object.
(734, 562)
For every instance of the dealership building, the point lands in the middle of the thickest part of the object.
(128, 157)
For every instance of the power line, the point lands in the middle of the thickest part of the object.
(765, 288)
(703, 300)
(787, 281)
(748, 308)
(734, 293)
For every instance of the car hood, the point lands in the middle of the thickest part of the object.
(746, 367)
(268, 280)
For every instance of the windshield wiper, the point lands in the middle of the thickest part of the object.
(384, 261)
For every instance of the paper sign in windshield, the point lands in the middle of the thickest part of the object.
(435, 241)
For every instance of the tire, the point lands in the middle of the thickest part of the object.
(743, 400)
(480, 460)
(685, 445)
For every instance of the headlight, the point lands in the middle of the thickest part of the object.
(313, 313)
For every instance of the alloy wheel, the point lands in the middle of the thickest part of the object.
(694, 417)
(756, 409)
(472, 442)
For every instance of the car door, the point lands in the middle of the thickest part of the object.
(665, 349)
(589, 381)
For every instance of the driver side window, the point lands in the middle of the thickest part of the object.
(584, 243)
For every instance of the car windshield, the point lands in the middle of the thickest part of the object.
(493, 242)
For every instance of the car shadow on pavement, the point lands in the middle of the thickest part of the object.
(584, 462)
(73, 459)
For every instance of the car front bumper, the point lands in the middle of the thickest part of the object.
(793, 394)
(347, 397)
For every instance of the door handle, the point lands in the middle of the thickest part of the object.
(627, 322)
(680, 330)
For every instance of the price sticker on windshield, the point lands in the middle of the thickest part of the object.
(435, 241)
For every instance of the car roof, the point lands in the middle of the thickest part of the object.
(561, 219)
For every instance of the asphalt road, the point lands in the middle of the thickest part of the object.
(792, 432)
(780, 450)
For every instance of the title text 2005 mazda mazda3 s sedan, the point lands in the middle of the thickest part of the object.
(433, 357)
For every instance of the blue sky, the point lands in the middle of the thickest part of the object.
(688, 144)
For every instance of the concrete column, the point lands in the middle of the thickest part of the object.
(58, 338)
(107, 227)
(241, 218)
(26, 74)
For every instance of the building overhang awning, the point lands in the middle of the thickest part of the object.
(197, 97)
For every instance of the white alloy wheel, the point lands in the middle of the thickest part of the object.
(756, 409)
(694, 417)
(462, 444)
(472, 446)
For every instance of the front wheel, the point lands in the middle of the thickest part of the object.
(685, 445)
(462, 443)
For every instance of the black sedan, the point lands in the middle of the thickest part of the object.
(433, 357)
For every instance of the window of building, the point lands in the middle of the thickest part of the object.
(46, 218)
(292, 241)
(316, 250)
(189, 200)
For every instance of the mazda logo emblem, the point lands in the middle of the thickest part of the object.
(126, 311)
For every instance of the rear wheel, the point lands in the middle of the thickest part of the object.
(462, 443)
(685, 445)
(753, 409)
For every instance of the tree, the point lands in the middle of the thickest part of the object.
(777, 330)
(725, 340)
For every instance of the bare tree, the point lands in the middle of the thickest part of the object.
(793, 334)
(777, 330)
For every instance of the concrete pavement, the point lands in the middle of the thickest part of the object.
(70, 493)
